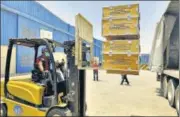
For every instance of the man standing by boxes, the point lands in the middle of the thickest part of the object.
(95, 71)
(124, 77)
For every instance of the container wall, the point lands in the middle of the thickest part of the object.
(173, 49)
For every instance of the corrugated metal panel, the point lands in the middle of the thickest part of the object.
(38, 11)
(72, 29)
(28, 28)
(3, 60)
(25, 59)
(60, 37)
(14, 25)
(25, 56)
(97, 42)
(98, 49)
(8, 26)
(71, 37)
(144, 59)
(100, 56)
(94, 50)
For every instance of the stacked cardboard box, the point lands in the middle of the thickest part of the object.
(120, 26)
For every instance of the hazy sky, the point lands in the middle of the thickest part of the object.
(150, 14)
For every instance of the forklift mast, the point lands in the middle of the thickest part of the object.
(76, 81)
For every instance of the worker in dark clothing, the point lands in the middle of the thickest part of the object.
(43, 65)
(124, 78)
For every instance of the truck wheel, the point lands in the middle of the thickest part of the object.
(3, 110)
(177, 96)
(59, 112)
(158, 77)
(85, 107)
(165, 85)
(171, 92)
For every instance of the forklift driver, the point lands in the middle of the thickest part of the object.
(43, 65)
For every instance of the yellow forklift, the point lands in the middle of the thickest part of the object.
(32, 98)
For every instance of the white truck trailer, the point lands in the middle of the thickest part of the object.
(164, 58)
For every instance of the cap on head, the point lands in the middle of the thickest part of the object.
(44, 50)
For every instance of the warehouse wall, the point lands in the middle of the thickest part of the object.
(8, 30)
(144, 59)
(25, 19)
(98, 49)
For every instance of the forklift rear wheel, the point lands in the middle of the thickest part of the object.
(3, 110)
(59, 112)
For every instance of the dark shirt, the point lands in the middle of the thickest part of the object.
(44, 60)
(61, 66)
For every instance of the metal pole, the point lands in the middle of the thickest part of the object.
(179, 60)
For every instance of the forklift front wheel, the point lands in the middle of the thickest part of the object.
(3, 110)
(60, 112)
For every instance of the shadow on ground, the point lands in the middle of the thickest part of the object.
(159, 92)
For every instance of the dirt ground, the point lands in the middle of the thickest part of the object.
(108, 98)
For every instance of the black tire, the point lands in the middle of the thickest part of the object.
(177, 100)
(158, 77)
(171, 92)
(165, 85)
(3, 110)
(60, 112)
(85, 107)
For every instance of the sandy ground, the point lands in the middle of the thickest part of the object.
(108, 98)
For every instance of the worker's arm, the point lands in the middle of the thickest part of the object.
(40, 66)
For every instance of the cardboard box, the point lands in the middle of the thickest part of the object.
(124, 62)
(122, 72)
(120, 27)
(121, 11)
(121, 46)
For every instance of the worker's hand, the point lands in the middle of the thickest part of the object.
(44, 74)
